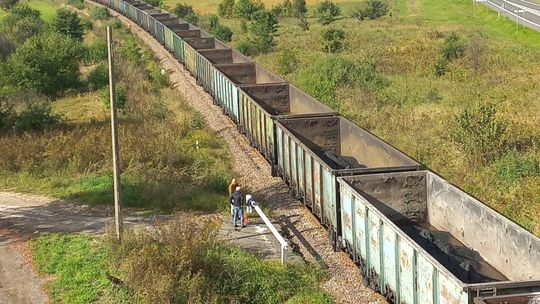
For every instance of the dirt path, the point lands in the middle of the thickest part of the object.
(308, 237)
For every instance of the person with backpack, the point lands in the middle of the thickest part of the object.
(237, 202)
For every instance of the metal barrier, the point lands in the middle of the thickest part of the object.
(276, 234)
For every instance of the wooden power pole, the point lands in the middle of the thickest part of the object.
(115, 145)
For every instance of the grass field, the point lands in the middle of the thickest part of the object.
(46, 7)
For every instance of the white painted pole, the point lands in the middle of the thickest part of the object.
(274, 231)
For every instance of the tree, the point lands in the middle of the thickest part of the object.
(68, 23)
(47, 63)
(299, 8)
(371, 9)
(263, 29)
(225, 8)
(21, 23)
(246, 8)
(7, 4)
(327, 12)
(333, 40)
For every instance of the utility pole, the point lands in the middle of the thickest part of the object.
(115, 145)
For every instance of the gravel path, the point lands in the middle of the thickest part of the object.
(306, 233)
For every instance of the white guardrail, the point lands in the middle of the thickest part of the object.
(512, 12)
(276, 234)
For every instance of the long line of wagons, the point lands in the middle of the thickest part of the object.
(417, 238)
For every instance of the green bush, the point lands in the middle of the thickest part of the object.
(299, 8)
(441, 66)
(120, 96)
(68, 23)
(286, 8)
(8, 116)
(287, 60)
(156, 3)
(100, 13)
(480, 134)
(454, 47)
(303, 23)
(327, 12)
(21, 23)
(371, 9)
(131, 50)
(263, 29)
(333, 40)
(76, 3)
(246, 8)
(324, 77)
(6, 46)
(186, 12)
(513, 167)
(7, 4)
(36, 117)
(96, 52)
(225, 8)
(220, 31)
(47, 63)
(183, 263)
(98, 77)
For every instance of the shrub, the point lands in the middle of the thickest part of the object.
(299, 8)
(36, 117)
(324, 77)
(183, 10)
(226, 8)
(513, 167)
(454, 47)
(98, 77)
(246, 47)
(131, 50)
(68, 23)
(303, 23)
(480, 134)
(7, 115)
(21, 23)
(120, 96)
(475, 51)
(76, 3)
(371, 9)
(246, 8)
(277, 10)
(100, 13)
(333, 40)
(263, 30)
(286, 8)
(327, 12)
(7, 4)
(441, 66)
(287, 60)
(221, 32)
(6, 46)
(156, 3)
(96, 52)
(47, 63)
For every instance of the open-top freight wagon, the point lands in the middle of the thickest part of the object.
(420, 239)
(261, 104)
(228, 77)
(313, 151)
(208, 58)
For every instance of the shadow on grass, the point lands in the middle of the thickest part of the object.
(147, 194)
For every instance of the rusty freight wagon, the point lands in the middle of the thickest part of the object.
(261, 104)
(228, 77)
(312, 152)
(210, 57)
(420, 239)
(191, 45)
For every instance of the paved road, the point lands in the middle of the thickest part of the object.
(523, 12)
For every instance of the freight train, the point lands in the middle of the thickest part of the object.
(417, 238)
